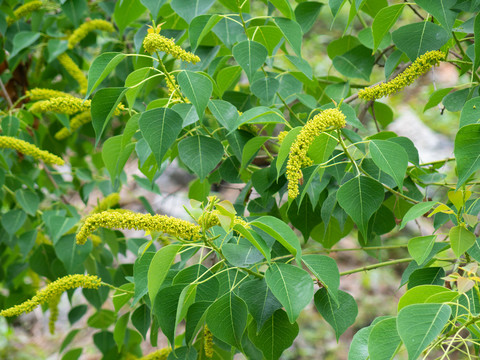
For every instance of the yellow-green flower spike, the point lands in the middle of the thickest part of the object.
(161, 354)
(80, 33)
(61, 105)
(173, 91)
(45, 94)
(207, 342)
(327, 120)
(52, 290)
(53, 307)
(74, 71)
(125, 219)
(419, 67)
(281, 136)
(106, 203)
(210, 219)
(9, 142)
(155, 42)
(24, 10)
(77, 121)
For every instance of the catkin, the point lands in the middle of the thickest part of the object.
(52, 290)
(8, 142)
(419, 67)
(53, 307)
(155, 42)
(61, 105)
(207, 342)
(77, 121)
(83, 30)
(45, 94)
(326, 120)
(72, 68)
(161, 354)
(125, 219)
(24, 10)
(106, 203)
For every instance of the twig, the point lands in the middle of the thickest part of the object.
(4, 90)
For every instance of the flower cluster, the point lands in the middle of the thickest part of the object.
(419, 67)
(72, 68)
(24, 10)
(326, 120)
(9, 142)
(62, 105)
(173, 91)
(80, 33)
(126, 219)
(77, 121)
(161, 354)
(207, 342)
(53, 307)
(210, 219)
(45, 94)
(106, 203)
(281, 136)
(52, 290)
(155, 42)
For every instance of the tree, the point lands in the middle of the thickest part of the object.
(223, 89)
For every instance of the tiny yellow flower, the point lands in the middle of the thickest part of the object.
(72, 68)
(77, 121)
(419, 67)
(161, 354)
(80, 33)
(155, 42)
(281, 136)
(24, 10)
(8, 142)
(125, 219)
(106, 203)
(207, 342)
(45, 94)
(326, 120)
(52, 290)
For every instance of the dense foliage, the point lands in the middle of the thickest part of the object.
(223, 90)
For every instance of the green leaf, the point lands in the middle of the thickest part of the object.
(201, 26)
(199, 94)
(22, 40)
(441, 10)
(200, 153)
(426, 294)
(165, 309)
(476, 27)
(390, 158)
(292, 31)
(115, 156)
(461, 239)
(436, 98)
(13, 220)
(417, 210)
(101, 67)
(261, 115)
(121, 329)
(102, 319)
(250, 55)
(127, 11)
(104, 104)
(284, 7)
(418, 38)
(355, 63)
(140, 273)
(75, 9)
(189, 9)
(383, 340)
(383, 22)
(76, 313)
(133, 79)
(426, 276)
(251, 148)
(275, 336)
(470, 113)
(161, 263)
(304, 217)
(141, 319)
(267, 35)
(301, 64)
(306, 14)
(292, 286)
(265, 89)
(420, 247)
(28, 200)
(281, 232)
(359, 345)
(71, 254)
(227, 77)
(467, 152)
(285, 148)
(418, 325)
(120, 297)
(325, 269)
(10, 125)
(68, 339)
(260, 300)
(73, 354)
(207, 290)
(225, 113)
(339, 317)
(361, 197)
(153, 6)
(160, 128)
(227, 319)
(255, 240)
